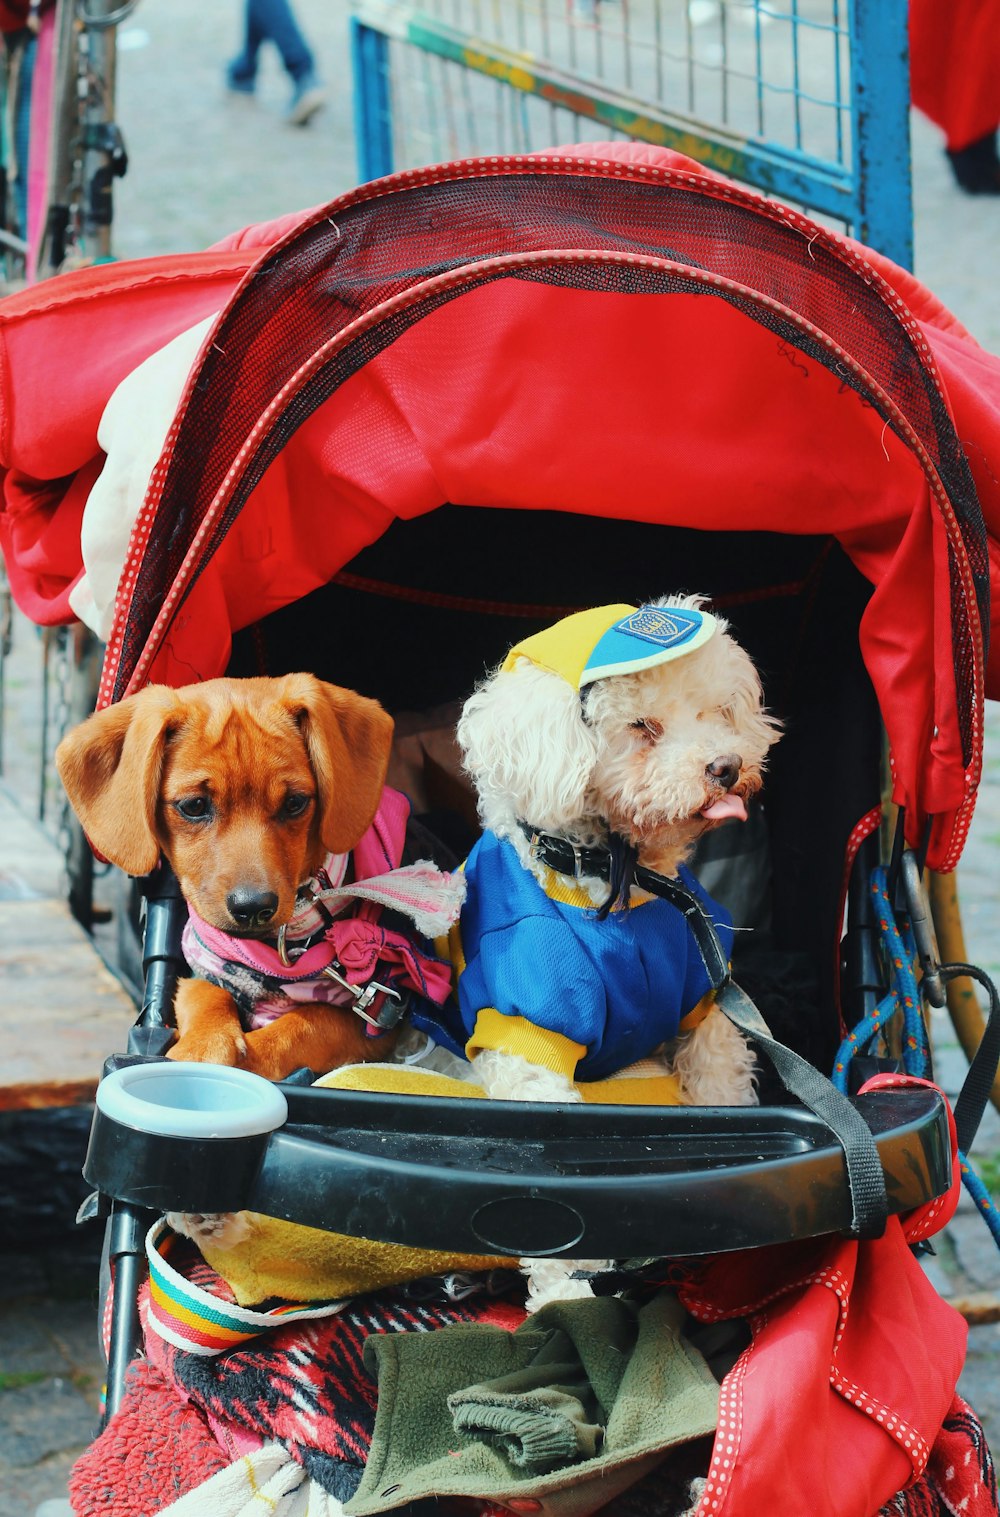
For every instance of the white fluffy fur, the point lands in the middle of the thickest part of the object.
(533, 756)
(632, 756)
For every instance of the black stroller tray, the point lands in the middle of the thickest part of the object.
(493, 1177)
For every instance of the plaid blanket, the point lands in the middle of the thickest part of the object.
(959, 1480)
(305, 1385)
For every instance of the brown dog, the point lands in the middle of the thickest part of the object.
(245, 786)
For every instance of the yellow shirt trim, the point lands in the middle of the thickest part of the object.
(698, 1013)
(516, 1035)
(558, 887)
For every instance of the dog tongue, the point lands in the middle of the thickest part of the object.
(730, 806)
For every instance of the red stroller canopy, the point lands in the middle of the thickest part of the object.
(606, 332)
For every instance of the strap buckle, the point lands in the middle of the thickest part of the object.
(305, 896)
(534, 842)
(393, 1006)
(282, 947)
(922, 926)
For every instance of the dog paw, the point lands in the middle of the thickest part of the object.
(559, 1279)
(220, 1229)
(267, 1066)
(509, 1077)
(210, 1048)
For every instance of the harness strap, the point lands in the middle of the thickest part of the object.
(982, 1071)
(865, 1177)
(702, 927)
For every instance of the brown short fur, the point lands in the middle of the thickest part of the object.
(287, 770)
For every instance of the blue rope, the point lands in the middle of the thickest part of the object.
(903, 995)
(900, 955)
(984, 1201)
(860, 1038)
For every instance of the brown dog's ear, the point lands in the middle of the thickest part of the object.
(111, 767)
(348, 738)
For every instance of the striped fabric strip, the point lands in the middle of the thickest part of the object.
(192, 1319)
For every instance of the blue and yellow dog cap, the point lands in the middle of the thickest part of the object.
(592, 645)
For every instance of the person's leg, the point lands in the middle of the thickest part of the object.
(976, 167)
(275, 19)
(242, 71)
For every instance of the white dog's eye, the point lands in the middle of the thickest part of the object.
(649, 727)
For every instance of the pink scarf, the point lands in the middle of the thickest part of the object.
(355, 943)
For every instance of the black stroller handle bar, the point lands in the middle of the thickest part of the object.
(605, 1179)
(521, 1178)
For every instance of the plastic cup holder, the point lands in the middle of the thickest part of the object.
(181, 1100)
(170, 1136)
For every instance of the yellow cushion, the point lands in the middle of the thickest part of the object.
(294, 1263)
(307, 1264)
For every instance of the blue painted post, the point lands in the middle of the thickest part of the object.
(372, 109)
(880, 126)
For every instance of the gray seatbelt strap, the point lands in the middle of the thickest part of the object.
(865, 1177)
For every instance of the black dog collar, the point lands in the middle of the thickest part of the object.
(562, 856)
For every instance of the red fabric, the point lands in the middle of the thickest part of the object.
(389, 444)
(42, 110)
(955, 66)
(13, 15)
(64, 347)
(971, 380)
(852, 1370)
(449, 442)
(153, 1451)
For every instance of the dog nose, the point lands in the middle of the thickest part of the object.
(725, 770)
(251, 908)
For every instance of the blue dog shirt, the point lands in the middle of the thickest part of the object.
(539, 975)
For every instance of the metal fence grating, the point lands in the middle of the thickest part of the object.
(806, 99)
(779, 71)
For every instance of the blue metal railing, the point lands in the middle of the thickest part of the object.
(807, 100)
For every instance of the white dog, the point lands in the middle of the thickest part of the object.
(622, 734)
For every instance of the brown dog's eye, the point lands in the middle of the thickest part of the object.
(649, 727)
(296, 805)
(197, 808)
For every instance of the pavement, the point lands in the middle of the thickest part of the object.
(202, 164)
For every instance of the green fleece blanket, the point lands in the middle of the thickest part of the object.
(570, 1409)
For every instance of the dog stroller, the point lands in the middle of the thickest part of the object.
(437, 414)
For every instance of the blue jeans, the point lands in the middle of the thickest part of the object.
(23, 46)
(272, 21)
